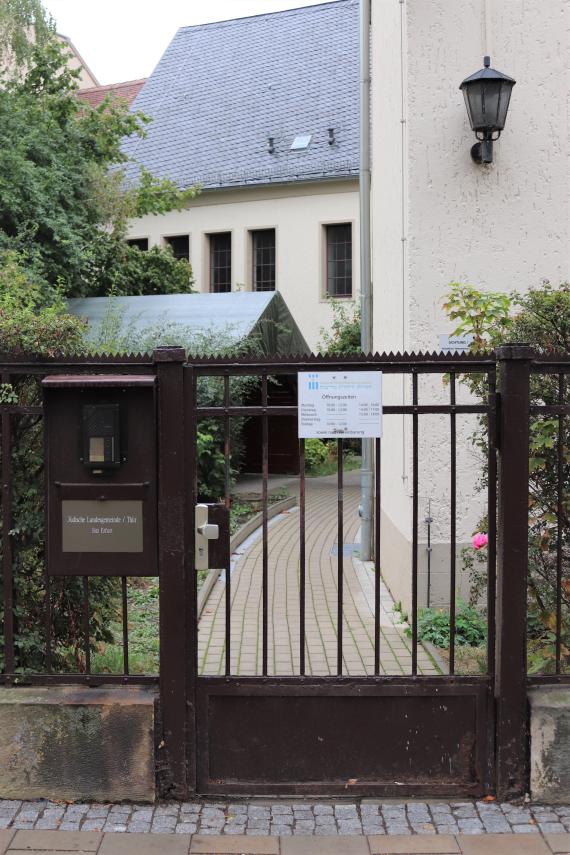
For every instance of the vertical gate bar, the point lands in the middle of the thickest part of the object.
(560, 490)
(227, 474)
(512, 571)
(86, 622)
(453, 526)
(377, 532)
(173, 519)
(47, 622)
(340, 539)
(190, 382)
(265, 469)
(415, 488)
(7, 558)
(302, 557)
(227, 468)
(125, 600)
(47, 580)
(492, 519)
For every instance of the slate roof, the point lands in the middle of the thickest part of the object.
(95, 95)
(220, 90)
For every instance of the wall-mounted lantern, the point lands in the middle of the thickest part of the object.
(487, 94)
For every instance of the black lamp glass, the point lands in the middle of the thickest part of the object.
(487, 95)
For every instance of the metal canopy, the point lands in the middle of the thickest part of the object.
(235, 317)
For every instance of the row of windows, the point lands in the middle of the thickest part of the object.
(338, 250)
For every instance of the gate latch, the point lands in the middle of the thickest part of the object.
(212, 531)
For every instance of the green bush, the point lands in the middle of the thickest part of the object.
(316, 452)
(29, 324)
(540, 317)
(344, 333)
(470, 627)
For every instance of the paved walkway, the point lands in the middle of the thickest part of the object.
(286, 828)
(321, 599)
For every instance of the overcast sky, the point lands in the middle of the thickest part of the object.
(124, 39)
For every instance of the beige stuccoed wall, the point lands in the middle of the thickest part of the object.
(76, 62)
(297, 212)
(439, 217)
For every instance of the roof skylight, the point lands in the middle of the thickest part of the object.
(301, 142)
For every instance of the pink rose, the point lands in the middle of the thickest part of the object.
(479, 540)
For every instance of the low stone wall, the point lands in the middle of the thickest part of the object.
(550, 744)
(76, 743)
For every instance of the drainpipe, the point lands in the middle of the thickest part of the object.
(366, 477)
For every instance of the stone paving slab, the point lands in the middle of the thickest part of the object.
(325, 846)
(559, 843)
(156, 844)
(48, 841)
(493, 844)
(234, 845)
(5, 840)
(443, 844)
(144, 844)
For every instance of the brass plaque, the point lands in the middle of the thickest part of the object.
(101, 526)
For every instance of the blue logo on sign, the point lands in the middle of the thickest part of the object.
(313, 383)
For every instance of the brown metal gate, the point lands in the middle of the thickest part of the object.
(340, 733)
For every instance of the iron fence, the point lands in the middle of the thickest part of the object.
(52, 642)
(523, 422)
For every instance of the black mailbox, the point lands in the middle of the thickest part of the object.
(101, 475)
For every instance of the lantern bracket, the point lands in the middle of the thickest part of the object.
(482, 151)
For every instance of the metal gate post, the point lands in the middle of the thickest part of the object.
(172, 537)
(512, 569)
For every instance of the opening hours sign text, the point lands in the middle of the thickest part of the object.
(333, 405)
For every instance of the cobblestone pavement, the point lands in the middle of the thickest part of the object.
(286, 818)
(321, 599)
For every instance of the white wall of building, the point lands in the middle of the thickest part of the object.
(439, 217)
(298, 213)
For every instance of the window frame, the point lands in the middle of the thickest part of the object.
(134, 241)
(252, 233)
(326, 295)
(210, 236)
(167, 238)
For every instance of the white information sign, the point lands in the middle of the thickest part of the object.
(455, 343)
(340, 404)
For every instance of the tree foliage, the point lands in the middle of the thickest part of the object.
(23, 24)
(344, 333)
(64, 204)
(541, 318)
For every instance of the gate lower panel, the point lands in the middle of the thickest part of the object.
(342, 737)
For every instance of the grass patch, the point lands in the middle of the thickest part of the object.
(329, 466)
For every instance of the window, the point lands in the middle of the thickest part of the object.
(339, 260)
(220, 262)
(263, 257)
(180, 246)
(140, 243)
